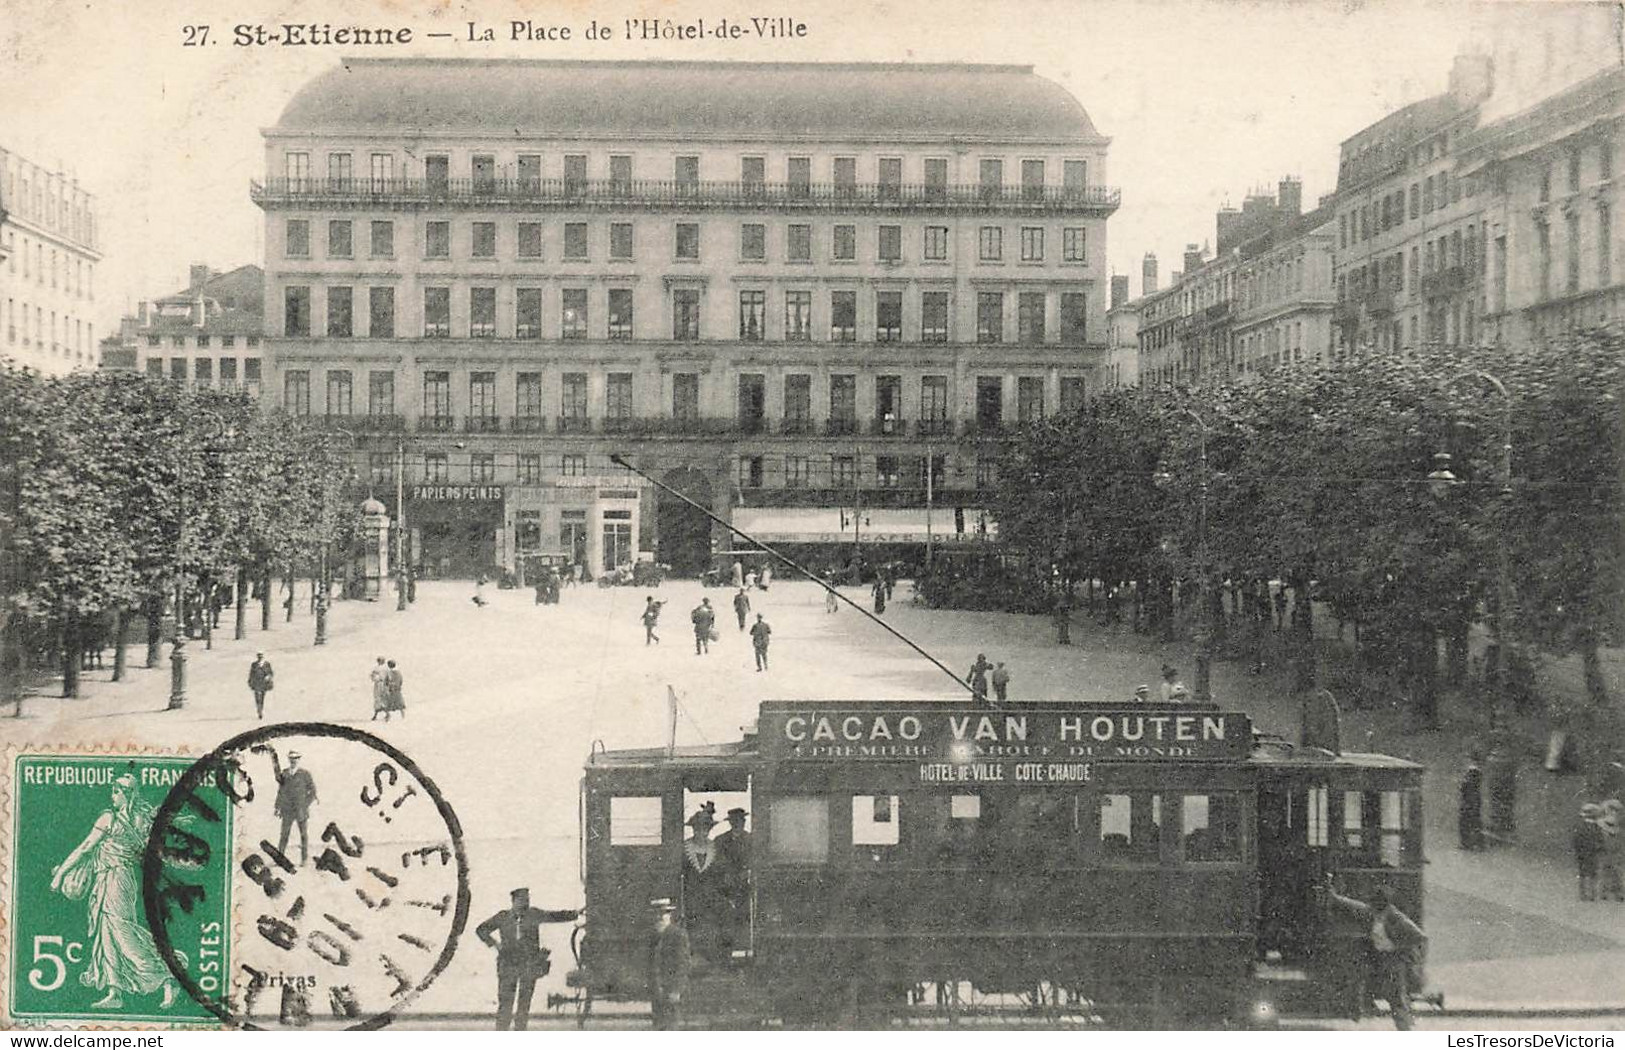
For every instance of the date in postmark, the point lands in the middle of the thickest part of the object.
(80, 947)
(351, 881)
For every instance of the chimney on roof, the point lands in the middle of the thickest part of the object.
(1174, 278)
(1289, 196)
(200, 276)
(1148, 274)
(1119, 289)
(1193, 258)
(1471, 78)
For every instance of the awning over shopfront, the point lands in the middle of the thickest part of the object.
(947, 526)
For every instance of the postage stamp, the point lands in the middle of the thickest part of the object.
(352, 880)
(80, 947)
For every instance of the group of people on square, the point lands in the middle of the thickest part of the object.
(983, 674)
(704, 619)
(386, 690)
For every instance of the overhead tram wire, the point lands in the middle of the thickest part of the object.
(620, 461)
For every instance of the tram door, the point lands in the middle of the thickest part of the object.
(1292, 839)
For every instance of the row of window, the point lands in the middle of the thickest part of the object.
(59, 269)
(1575, 244)
(1427, 196)
(575, 308)
(203, 341)
(933, 404)
(752, 170)
(1464, 249)
(46, 201)
(36, 326)
(575, 241)
(201, 370)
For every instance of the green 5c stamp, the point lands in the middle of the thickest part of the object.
(80, 945)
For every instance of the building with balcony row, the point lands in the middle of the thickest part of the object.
(48, 256)
(207, 334)
(783, 289)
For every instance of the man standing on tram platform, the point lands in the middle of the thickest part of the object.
(1395, 944)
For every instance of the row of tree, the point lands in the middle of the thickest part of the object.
(1330, 480)
(121, 497)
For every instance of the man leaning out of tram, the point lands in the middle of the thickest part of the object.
(1394, 944)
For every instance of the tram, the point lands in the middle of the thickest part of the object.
(1078, 861)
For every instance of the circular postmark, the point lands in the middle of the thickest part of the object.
(347, 868)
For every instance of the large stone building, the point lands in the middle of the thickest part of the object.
(1284, 296)
(48, 257)
(789, 291)
(207, 334)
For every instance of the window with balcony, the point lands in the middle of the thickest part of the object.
(295, 389)
(1074, 318)
(889, 178)
(990, 317)
(1032, 244)
(934, 404)
(575, 173)
(685, 396)
(573, 401)
(437, 312)
(530, 171)
(340, 312)
(990, 244)
(843, 403)
(383, 239)
(575, 240)
(888, 473)
(620, 313)
(618, 397)
(530, 468)
(936, 178)
(1075, 176)
(295, 167)
(573, 313)
(380, 394)
(482, 313)
(798, 243)
(1032, 179)
(798, 174)
(340, 244)
(843, 471)
(797, 403)
(1029, 399)
(437, 399)
(687, 173)
(296, 239)
(527, 401)
(891, 244)
(484, 240)
(688, 240)
(889, 404)
(620, 172)
(844, 171)
(844, 243)
(482, 468)
(752, 402)
(934, 317)
(436, 468)
(620, 241)
(798, 315)
(482, 401)
(483, 168)
(1030, 318)
(528, 313)
(888, 317)
(685, 314)
(437, 240)
(1073, 245)
(989, 402)
(295, 312)
(340, 171)
(340, 392)
(753, 174)
(529, 244)
(752, 314)
(753, 242)
(843, 316)
(796, 472)
(572, 465)
(750, 472)
(991, 173)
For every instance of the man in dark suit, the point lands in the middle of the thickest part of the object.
(521, 960)
(1395, 943)
(261, 679)
(669, 966)
(295, 794)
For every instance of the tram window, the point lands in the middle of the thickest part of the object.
(965, 807)
(1319, 801)
(1211, 827)
(800, 830)
(1042, 831)
(875, 820)
(1358, 819)
(1131, 827)
(634, 820)
(1395, 812)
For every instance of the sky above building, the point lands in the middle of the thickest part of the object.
(1204, 101)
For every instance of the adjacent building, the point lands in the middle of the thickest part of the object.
(207, 334)
(788, 291)
(48, 256)
(1285, 296)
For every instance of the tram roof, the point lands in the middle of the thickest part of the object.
(691, 754)
(1279, 753)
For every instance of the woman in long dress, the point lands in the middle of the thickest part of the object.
(121, 956)
(380, 690)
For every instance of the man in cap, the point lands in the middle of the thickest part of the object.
(521, 960)
(669, 965)
(760, 634)
(704, 618)
(295, 794)
(1142, 694)
(1396, 945)
(1589, 843)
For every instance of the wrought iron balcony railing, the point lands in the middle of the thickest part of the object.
(436, 424)
(684, 194)
(527, 424)
(483, 424)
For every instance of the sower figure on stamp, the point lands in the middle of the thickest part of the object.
(295, 794)
(668, 967)
(261, 680)
(521, 960)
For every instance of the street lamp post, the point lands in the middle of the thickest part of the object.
(402, 570)
(1503, 768)
(323, 584)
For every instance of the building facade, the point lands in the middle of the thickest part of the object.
(1285, 297)
(47, 268)
(785, 290)
(206, 335)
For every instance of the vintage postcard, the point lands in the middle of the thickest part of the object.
(1015, 513)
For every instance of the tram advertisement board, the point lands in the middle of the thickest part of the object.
(950, 742)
